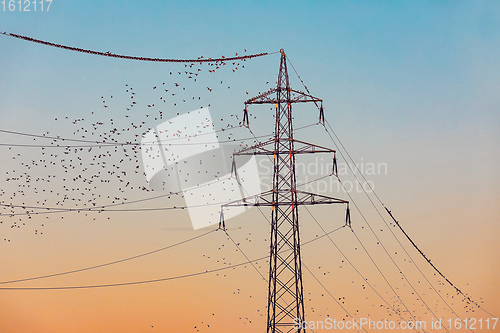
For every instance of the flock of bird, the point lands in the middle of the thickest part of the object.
(99, 166)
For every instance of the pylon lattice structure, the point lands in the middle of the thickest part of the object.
(285, 307)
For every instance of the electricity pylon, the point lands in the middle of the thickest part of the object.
(285, 306)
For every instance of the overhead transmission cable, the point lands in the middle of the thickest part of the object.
(401, 301)
(373, 204)
(109, 263)
(113, 143)
(389, 212)
(365, 280)
(114, 55)
(97, 143)
(403, 231)
(147, 281)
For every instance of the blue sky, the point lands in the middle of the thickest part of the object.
(395, 54)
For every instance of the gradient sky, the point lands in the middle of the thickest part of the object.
(411, 84)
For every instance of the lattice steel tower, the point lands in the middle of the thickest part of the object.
(285, 305)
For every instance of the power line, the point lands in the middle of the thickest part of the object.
(325, 234)
(365, 280)
(109, 263)
(387, 252)
(132, 283)
(99, 145)
(96, 143)
(399, 226)
(48, 210)
(367, 223)
(373, 204)
(153, 280)
(115, 143)
(114, 55)
(100, 210)
(329, 293)
(434, 267)
(239, 248)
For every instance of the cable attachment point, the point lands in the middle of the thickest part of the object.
(246, 122)
(335, 170)
(222, 223)
(233, 169)
(321, 115)
(234, 172)
(348, 217)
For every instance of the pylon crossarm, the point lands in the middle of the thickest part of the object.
(295, 97)
(300, 97)
(267, 148)
(265, 199)
(309, 148)
(307, 198)
(252, 200)
(263, 98)
(253, 150)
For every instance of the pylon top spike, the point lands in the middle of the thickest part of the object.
(282, 51)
